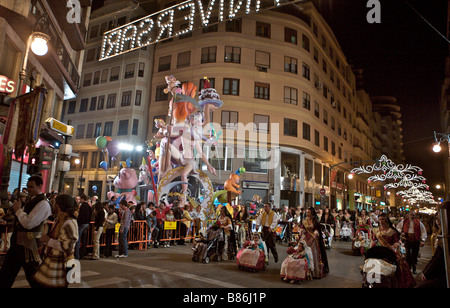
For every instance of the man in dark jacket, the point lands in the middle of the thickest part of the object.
(83, 220)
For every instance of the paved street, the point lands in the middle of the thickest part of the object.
(173, 268)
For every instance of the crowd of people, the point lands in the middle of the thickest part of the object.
(249, 236)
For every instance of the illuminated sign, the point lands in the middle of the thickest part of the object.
(7, 85)
(60, 127)
(178, 20)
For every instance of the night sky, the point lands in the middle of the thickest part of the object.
(402, 57)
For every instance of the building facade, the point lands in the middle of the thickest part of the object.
(59, 70)
(113, 101)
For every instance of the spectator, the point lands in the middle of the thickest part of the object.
(161, 217)
(140, 211)
(83, 220)
(199, 218)
(169, 234)
(124, 228)
(60, 244)
(153, 230)
(99, 221)
(414, 235)
(23, 253)
(110, 228)
(8, 221)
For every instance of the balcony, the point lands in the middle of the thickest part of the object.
(76, 33)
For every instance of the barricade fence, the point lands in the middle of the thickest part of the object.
(137, 234)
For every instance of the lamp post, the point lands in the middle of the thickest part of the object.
(444, 208)
(81, 163)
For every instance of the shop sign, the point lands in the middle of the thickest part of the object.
(7, 85)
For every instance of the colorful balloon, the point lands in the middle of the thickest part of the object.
(113, 148)
(104, 165)
(101, 142)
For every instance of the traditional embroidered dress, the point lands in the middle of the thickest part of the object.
(315, 242)
(387, 238)
(252, 256)
(60, 249)
(297, 266)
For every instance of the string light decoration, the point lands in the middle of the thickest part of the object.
(159, 26)
(389, 170)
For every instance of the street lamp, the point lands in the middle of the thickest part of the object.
(38, 43)
(80, 162)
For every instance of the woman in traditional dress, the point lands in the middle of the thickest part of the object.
(60, 245)
(252, 256)
(296, 267)
(310, 232)
(242, 223)
(387, 236)
(230, 240)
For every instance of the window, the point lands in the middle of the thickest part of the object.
(232, 54)
(306, 101)
(290, 65)
(93, 106)
(94, 31)
(325, 117)
(214, 25)
(96, 77)
(306, 71)
(333, 123)
(230, 86)
(87, 79)
(72, 106)
(316, 109)
(80, 131)
(101, 102)
(324, 65)
(316, 55)
(209, 54)
(290, 35)
(126, 99)
(90, 55)
(290, 95)
(316, 137)
(104, 76)
(229, 119)
(114, 73)
(137, 100)
(164, 63)
(290, 127)
(325, 90)
(134, 130)
(261, 123)
(306, 131)
(94, 159)
(262, 29)
(184, 59)
(129, 70)
(234, 25)
(160, 95)
(111, 102)
(141, 69)
(108, 129)
(98, 130)
(262, 59)
(262, 90)
(325, 143)
(305, 42)
(333, 148)
(254, 162)
(83, 105)
(90, 130)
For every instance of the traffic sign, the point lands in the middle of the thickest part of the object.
(322, 191)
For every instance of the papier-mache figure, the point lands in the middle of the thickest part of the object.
(232, 184)
(125, 182)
